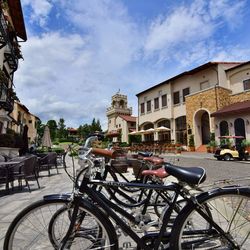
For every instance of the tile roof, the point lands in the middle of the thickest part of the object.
(235, 108)
(128, 118)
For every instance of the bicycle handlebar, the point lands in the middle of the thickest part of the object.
(104, 152)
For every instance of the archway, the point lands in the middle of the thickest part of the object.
(202, 127)
(205, 128)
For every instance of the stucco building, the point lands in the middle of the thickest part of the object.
(21, 117)
(12, 31)
(120, 119)
(191, 102)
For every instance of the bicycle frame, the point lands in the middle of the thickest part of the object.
(112, 209)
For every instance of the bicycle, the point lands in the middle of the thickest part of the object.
(88, 202)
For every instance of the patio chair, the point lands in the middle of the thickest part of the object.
(27, 171)
(47, 162)
(8, 169)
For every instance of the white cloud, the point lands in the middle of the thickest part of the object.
(186, 27)
(40, 10)
(230, 11)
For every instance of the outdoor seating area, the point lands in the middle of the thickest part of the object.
(20, 170)
(157, 147)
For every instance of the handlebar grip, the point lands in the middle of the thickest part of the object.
(104, 152)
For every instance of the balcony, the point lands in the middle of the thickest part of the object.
(9, 39)
(6, 100)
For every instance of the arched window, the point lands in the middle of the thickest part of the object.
(239, 129)
(164, 123)
(224, 128)
(121, 104)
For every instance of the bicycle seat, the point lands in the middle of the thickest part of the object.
(145, 154)
(190, 175)
(155, 160)
(160, 172)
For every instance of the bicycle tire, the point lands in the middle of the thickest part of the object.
(87, 229)
(29, 229)
(229, 208)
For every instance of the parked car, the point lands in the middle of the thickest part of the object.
(228, 152)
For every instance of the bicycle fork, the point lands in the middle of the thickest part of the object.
(73, 227)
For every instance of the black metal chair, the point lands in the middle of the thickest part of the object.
(48, 161)
(27, 171)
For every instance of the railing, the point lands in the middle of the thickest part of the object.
(12, 52)
(6, 100)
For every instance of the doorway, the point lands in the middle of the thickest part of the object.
(205, 128)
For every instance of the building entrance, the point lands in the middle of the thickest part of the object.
(205, 128)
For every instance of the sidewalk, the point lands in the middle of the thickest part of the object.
(12, 204)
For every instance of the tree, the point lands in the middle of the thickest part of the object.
(61, 129)
(84, 130)
(53, 128)
(40, 129)
(95, 126)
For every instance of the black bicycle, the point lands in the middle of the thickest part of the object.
(86, 219)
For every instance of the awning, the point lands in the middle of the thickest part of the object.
(232, 109)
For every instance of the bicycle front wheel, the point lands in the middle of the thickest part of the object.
(229, 220)
(31, 228)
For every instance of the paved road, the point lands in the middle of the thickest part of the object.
(216, 170)
(11, 204)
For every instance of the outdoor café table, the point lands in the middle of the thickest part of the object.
(7, 165)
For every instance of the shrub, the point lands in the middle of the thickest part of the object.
(7, 140)
(213, 144)
(124, 144)
(191, 141)
(245, 143)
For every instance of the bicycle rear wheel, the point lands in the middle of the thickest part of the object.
(30, 229)
(229, 209)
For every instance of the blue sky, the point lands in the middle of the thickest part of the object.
(81, 52)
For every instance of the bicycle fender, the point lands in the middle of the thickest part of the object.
(224, 190)
(58, 197)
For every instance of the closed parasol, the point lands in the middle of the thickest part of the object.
(46, 140)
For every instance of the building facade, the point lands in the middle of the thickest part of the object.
(187, 103)
(12, 31)
(120, 119)
(21, 117)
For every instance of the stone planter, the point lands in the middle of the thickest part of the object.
(11, 152)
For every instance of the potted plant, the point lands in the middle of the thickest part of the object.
(179, 149)
(191, 143)
(208, 148)
(213, 145)
(246, 145)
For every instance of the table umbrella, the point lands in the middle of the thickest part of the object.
(46, 141)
